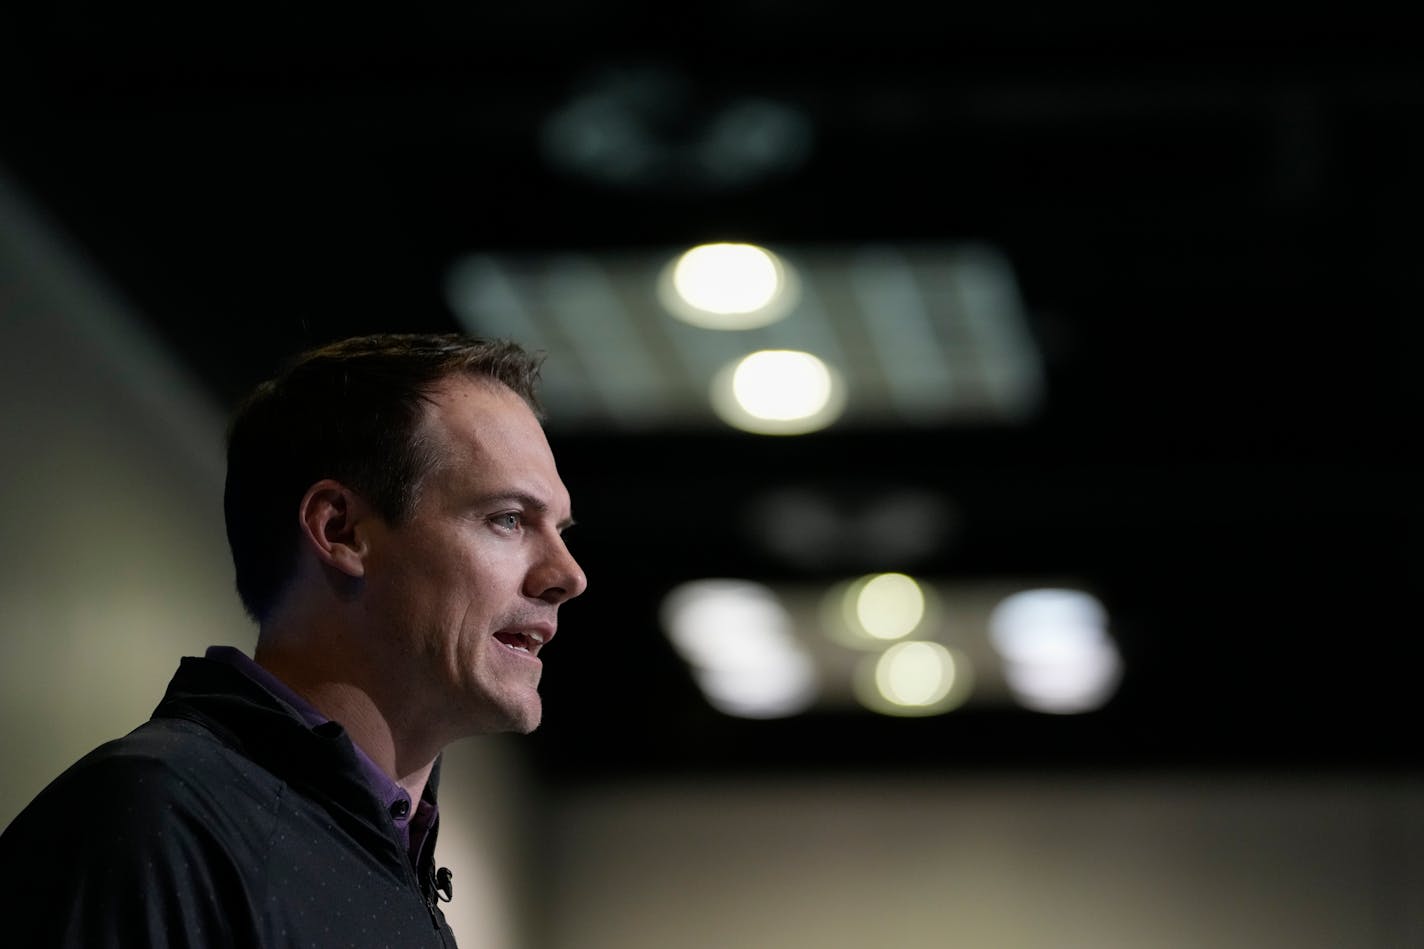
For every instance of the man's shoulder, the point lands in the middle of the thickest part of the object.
(157, 774)
(155, 838)
(176, 753)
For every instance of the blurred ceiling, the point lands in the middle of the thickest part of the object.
(1210, 217)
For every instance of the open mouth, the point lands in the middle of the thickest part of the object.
(521, 641)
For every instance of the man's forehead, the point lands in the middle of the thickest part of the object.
(481, 409)
(492, 440)
(459, 387)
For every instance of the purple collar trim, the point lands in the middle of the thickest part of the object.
(391, 795)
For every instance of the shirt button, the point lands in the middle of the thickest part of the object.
(400, 809)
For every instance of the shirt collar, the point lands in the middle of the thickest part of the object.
(392, 796)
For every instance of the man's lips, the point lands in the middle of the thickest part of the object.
(525, 639)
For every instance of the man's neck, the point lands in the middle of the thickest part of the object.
(399, 757)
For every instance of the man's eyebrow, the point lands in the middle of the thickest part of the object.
(527, 501)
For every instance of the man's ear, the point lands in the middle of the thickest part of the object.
(333, 525)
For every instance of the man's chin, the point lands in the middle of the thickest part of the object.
(513, 711)
(521, 717)
(535, 719)
(524, 720)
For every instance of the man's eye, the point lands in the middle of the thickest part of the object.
(509, 521)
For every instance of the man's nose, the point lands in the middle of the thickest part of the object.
(558, 577)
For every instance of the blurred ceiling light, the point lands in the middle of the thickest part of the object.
(1047, 625)
(736, 636)
(723, 622)
(924, 334)
(872, 610)
(855, 527)
(778, 687)
(782, 385)
(915, 673)
(754, 138)
(889, 606)
(885, 606)
(652, 128)
(1070, 687)
(726, 278)
(778, 392)
(728, 287)
(1058, 656)
(914, 678)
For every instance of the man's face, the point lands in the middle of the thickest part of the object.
(467, 589)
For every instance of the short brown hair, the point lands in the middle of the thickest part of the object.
(349, 411)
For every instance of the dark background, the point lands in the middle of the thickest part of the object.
(1213, 217)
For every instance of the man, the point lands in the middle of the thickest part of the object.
(395, 518)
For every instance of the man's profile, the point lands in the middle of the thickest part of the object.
(395, 517)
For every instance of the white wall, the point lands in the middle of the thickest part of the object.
(114, 560)
(992, 863)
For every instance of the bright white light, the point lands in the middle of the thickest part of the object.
(1058, 656)
(782, 385)
(1066, 688)
(780, 686)
(917, 673)
(728, 286)
(1048, 624)
(778, 392)
(737, 638)
(724, 622)
(889, 606)
(872, 610)
(914, 678)
(727, 278)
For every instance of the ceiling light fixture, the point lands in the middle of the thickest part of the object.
(728, 286)
(914, 678)
(778, 392)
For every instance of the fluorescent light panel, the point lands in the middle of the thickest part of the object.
(921, 334)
